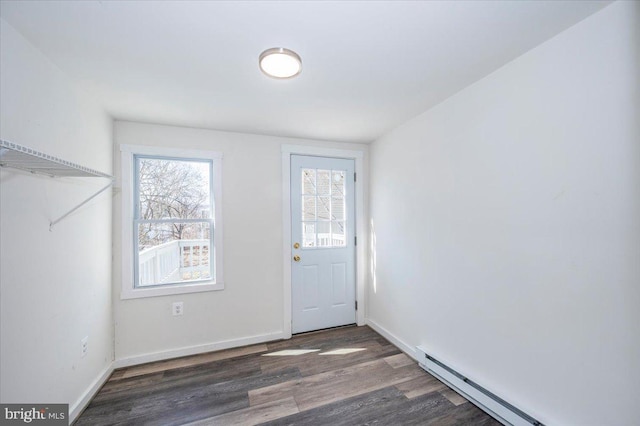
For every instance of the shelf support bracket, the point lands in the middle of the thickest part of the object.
(54, 222)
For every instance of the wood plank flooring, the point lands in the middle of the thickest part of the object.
(344, 376)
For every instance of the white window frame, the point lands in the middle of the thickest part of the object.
(128, 153)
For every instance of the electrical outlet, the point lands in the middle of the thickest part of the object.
(178, 308)
(84, 343)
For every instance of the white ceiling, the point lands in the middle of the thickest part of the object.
(367, 66)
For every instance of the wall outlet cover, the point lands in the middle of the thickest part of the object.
(177, 308)
(84, 344)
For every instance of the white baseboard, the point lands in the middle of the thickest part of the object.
(76, 409)
(194, 350)
(403, 346)
(81, 404)
(491, 403)
(504, 414)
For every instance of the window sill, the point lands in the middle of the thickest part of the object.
(138, 293)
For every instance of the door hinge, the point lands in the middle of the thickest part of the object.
(355, 240)
(356, 305)
(354, 177)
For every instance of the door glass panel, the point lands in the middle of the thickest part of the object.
(324, 234)
(337, 208)
(308, 207)
(337, 183)
(323, 208)
(324, 182)
(308, 234)
(309, 181)
(337, 234)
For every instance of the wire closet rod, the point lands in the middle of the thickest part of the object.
(53, 222)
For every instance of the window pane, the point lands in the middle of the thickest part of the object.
(171, 189)
(338, 234)
(337, 183)
(337, 208)
(324, 182)
(309, 181)
(308, 207)
(173, 252)
(324, 208)
(308, 234)
(324, 234)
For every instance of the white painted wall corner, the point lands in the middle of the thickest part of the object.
(399, 343)
(76, 409)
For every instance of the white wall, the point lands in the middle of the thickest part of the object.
(55, 286)
(251, 307)
(507, 226)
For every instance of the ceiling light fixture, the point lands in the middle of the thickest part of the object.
(279, 62)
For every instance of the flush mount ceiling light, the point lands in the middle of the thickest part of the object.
(279, 62)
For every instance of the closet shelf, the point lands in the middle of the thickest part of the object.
(20, 157)
(23, 158)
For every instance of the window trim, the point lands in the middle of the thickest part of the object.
(129, 291)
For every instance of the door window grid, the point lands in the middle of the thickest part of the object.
(323, 208)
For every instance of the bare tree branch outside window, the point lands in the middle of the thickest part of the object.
(172, 189)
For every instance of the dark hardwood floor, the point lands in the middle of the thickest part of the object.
(344, 376)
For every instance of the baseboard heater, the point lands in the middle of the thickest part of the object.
(495, 406)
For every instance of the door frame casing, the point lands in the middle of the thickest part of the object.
(360, 278)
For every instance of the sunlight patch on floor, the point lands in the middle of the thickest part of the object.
(292, 352)
(343, 351)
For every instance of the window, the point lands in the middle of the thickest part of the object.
(323, 208)
(171, 221)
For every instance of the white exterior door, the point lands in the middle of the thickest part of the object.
(323, 236)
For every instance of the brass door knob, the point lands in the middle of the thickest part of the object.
(296, 258)
(296, 246)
